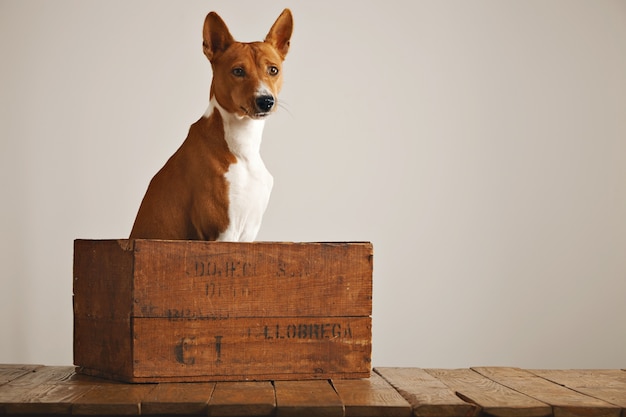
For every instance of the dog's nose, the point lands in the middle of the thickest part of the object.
(264, 103)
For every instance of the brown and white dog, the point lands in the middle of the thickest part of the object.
(215, 186)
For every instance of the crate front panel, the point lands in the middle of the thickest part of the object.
(252, 348)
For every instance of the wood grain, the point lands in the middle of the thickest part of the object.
(564, 401)
(371, 397)
(112, 399)
(428, 396)
(29, 391)
(103, 306)
(493, 398)
(605, 384)
(243, 399)
(9, 372)
(307, 398)
(178, 398)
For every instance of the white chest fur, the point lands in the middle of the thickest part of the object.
(250, 183)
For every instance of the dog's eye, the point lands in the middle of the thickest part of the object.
(272, 70)
(238, 72)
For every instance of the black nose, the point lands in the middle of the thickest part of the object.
(264, 103)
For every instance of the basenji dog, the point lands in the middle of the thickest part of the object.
(216, 186)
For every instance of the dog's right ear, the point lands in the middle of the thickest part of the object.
(216, 36)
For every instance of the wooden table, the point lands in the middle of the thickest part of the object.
(49, 390)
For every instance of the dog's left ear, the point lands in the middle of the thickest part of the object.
(280, 33)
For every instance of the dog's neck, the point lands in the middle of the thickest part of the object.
(242, 134)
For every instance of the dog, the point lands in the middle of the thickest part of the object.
(216, 186)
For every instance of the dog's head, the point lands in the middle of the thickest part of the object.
(246, 76)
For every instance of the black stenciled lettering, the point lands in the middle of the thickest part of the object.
(183, 351)
(314, 331)
(227, 268)
(231, 267)
(336, 332)
(303, 331)
(323, 332)
(308, 331)
(218, 348)
(176, 314)
(206, 269)
(348, 331)
(247, 269)
(282, 269)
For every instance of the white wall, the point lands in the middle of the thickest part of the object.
(480, 145)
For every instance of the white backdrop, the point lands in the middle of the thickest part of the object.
(480, 145)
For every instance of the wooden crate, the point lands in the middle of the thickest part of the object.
(159, 311)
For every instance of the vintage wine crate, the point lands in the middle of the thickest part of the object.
(158, 311)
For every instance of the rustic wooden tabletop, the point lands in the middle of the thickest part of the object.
(493, 391)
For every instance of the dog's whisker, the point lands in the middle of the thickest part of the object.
(282, 106)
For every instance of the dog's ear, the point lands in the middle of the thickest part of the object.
(215, 35)
(280, 33)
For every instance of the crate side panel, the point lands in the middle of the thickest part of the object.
(190, 279)
(103, 305)
(244, 348)
(103, 347)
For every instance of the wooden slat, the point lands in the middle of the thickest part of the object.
(243, 399)
(112, 399)
(44, 374)
(493, 398)
(307, 398)
(606, 384)
(10, 372)
(564, 401)
(251, 348)
(31, 391)
(371, 397)
(47, 399)
(178, 398)
(428, 396)
(198, 279)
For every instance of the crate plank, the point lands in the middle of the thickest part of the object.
(428, 396)
(564, 401)
(371, 397)
(206, 279)
(493, 398)
(605, 384)
(231, 399)
(251, 348)
(178, 398)
(307, 398)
